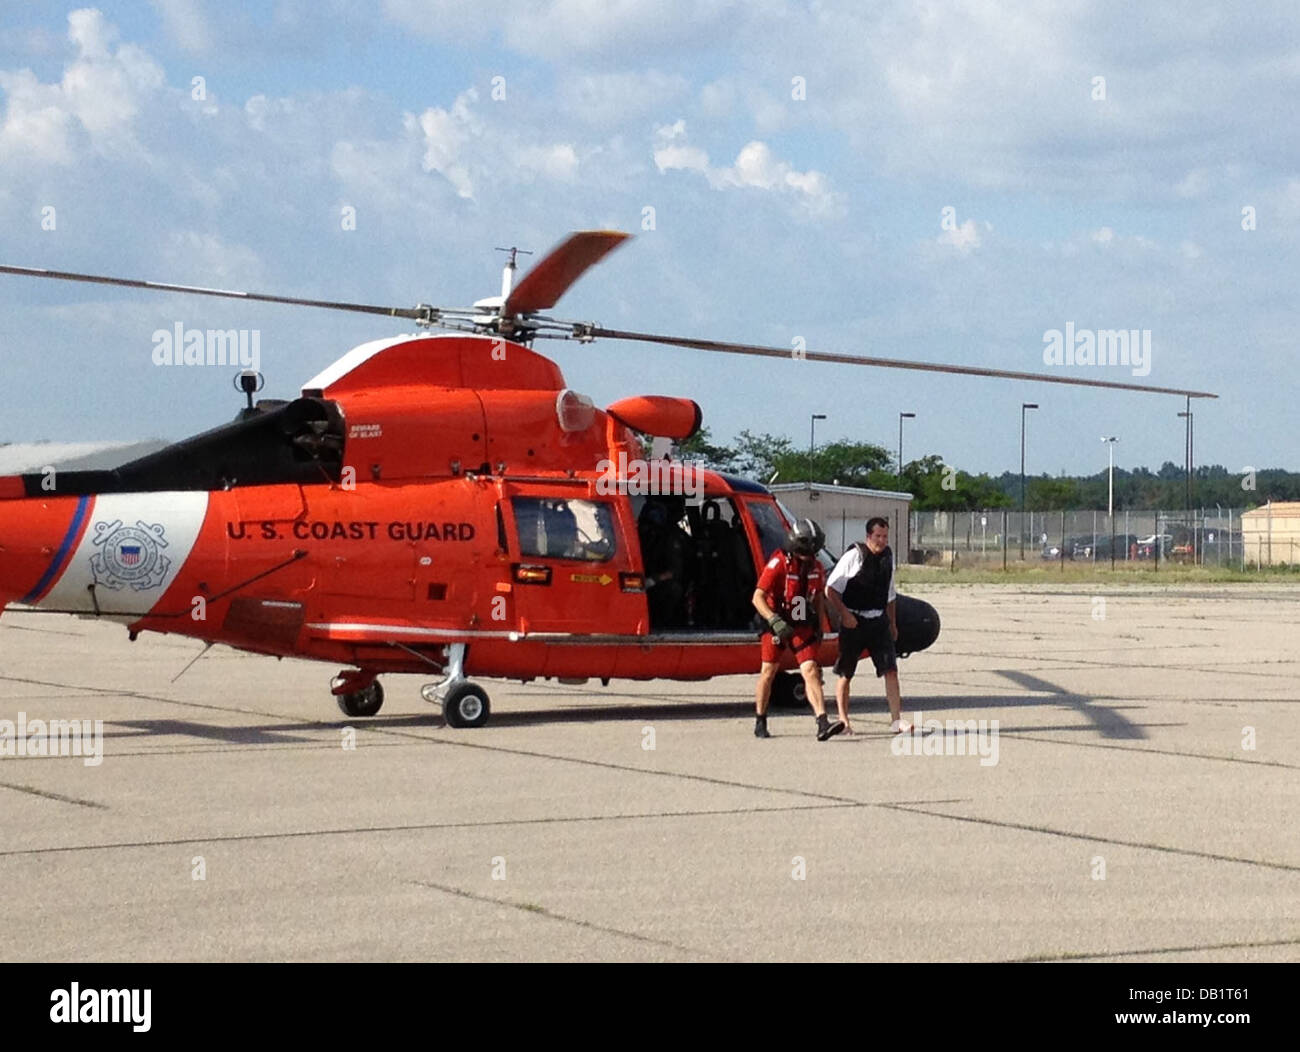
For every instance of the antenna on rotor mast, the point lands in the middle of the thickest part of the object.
(508, 275)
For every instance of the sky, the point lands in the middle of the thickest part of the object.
(948, 182)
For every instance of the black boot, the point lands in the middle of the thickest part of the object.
(760, 727)
(826, 729)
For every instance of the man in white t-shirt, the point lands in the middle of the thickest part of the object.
(861, 590)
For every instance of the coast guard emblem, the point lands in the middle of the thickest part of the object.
(129, 555)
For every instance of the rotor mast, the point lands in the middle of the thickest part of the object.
(508, 273)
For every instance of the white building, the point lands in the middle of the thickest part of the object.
(843, 511)
(1271, 535)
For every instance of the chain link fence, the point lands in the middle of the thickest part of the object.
(999, 537)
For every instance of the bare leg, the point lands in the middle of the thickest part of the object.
(893, 695)
(812, 679)
(763, 688)
(842, 701)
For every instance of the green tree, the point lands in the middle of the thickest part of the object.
(936, 485)
(756, 456)
(841, 463)
(701, 449)
(1049, 494)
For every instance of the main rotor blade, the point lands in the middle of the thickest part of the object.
(417, 313)
(585, 331)
(542, 287)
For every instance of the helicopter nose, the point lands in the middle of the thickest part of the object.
(37, 538)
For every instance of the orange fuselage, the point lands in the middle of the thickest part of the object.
(464, 495)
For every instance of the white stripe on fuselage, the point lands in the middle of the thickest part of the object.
(358, 356)
(134, 547)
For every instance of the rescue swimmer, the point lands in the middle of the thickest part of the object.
(790, 598)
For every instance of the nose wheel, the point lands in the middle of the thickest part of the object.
(466, 705)
(365, 702)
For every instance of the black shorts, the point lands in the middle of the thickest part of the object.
(871, 634)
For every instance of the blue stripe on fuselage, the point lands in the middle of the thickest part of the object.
(60, 557)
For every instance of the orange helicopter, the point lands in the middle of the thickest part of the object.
(433, 503)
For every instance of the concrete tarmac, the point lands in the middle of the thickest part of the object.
(1144, 803)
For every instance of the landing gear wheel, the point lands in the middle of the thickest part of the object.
(363, 702)
(466, 705)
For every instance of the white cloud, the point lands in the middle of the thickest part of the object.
(1194, 184)
(446, 133)
(994, 94)
(964, 238)
(560, 29)
(467, 151)
(1286, 201)
(672, 155)
(36, 125)
(997, 93)
(186, 23)
(615, 98)
(190, 252)
(718, 98)
(555, 162)
(92, 35)
(31, 40)
(258, 107)
(1105, 240)
(756, 167)
(99, 96)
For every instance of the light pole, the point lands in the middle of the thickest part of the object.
(812, 442)
(1187, 456)
(901, 417)
(1110, 497)
(1023, 407)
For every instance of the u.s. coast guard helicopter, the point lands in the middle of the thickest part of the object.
(431, 503)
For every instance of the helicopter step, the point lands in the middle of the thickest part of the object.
(464, 704)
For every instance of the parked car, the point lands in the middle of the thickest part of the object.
(1147, 546)
(1125, 543)
(1078, 547)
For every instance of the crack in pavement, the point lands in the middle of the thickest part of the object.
(1145, 845)
(541, 911)
(1111, 954)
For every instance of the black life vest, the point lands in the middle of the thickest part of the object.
(869, 588)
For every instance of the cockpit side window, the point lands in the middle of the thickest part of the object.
(769, 524)
(551, 528)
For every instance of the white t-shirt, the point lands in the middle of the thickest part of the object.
(846, 569)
